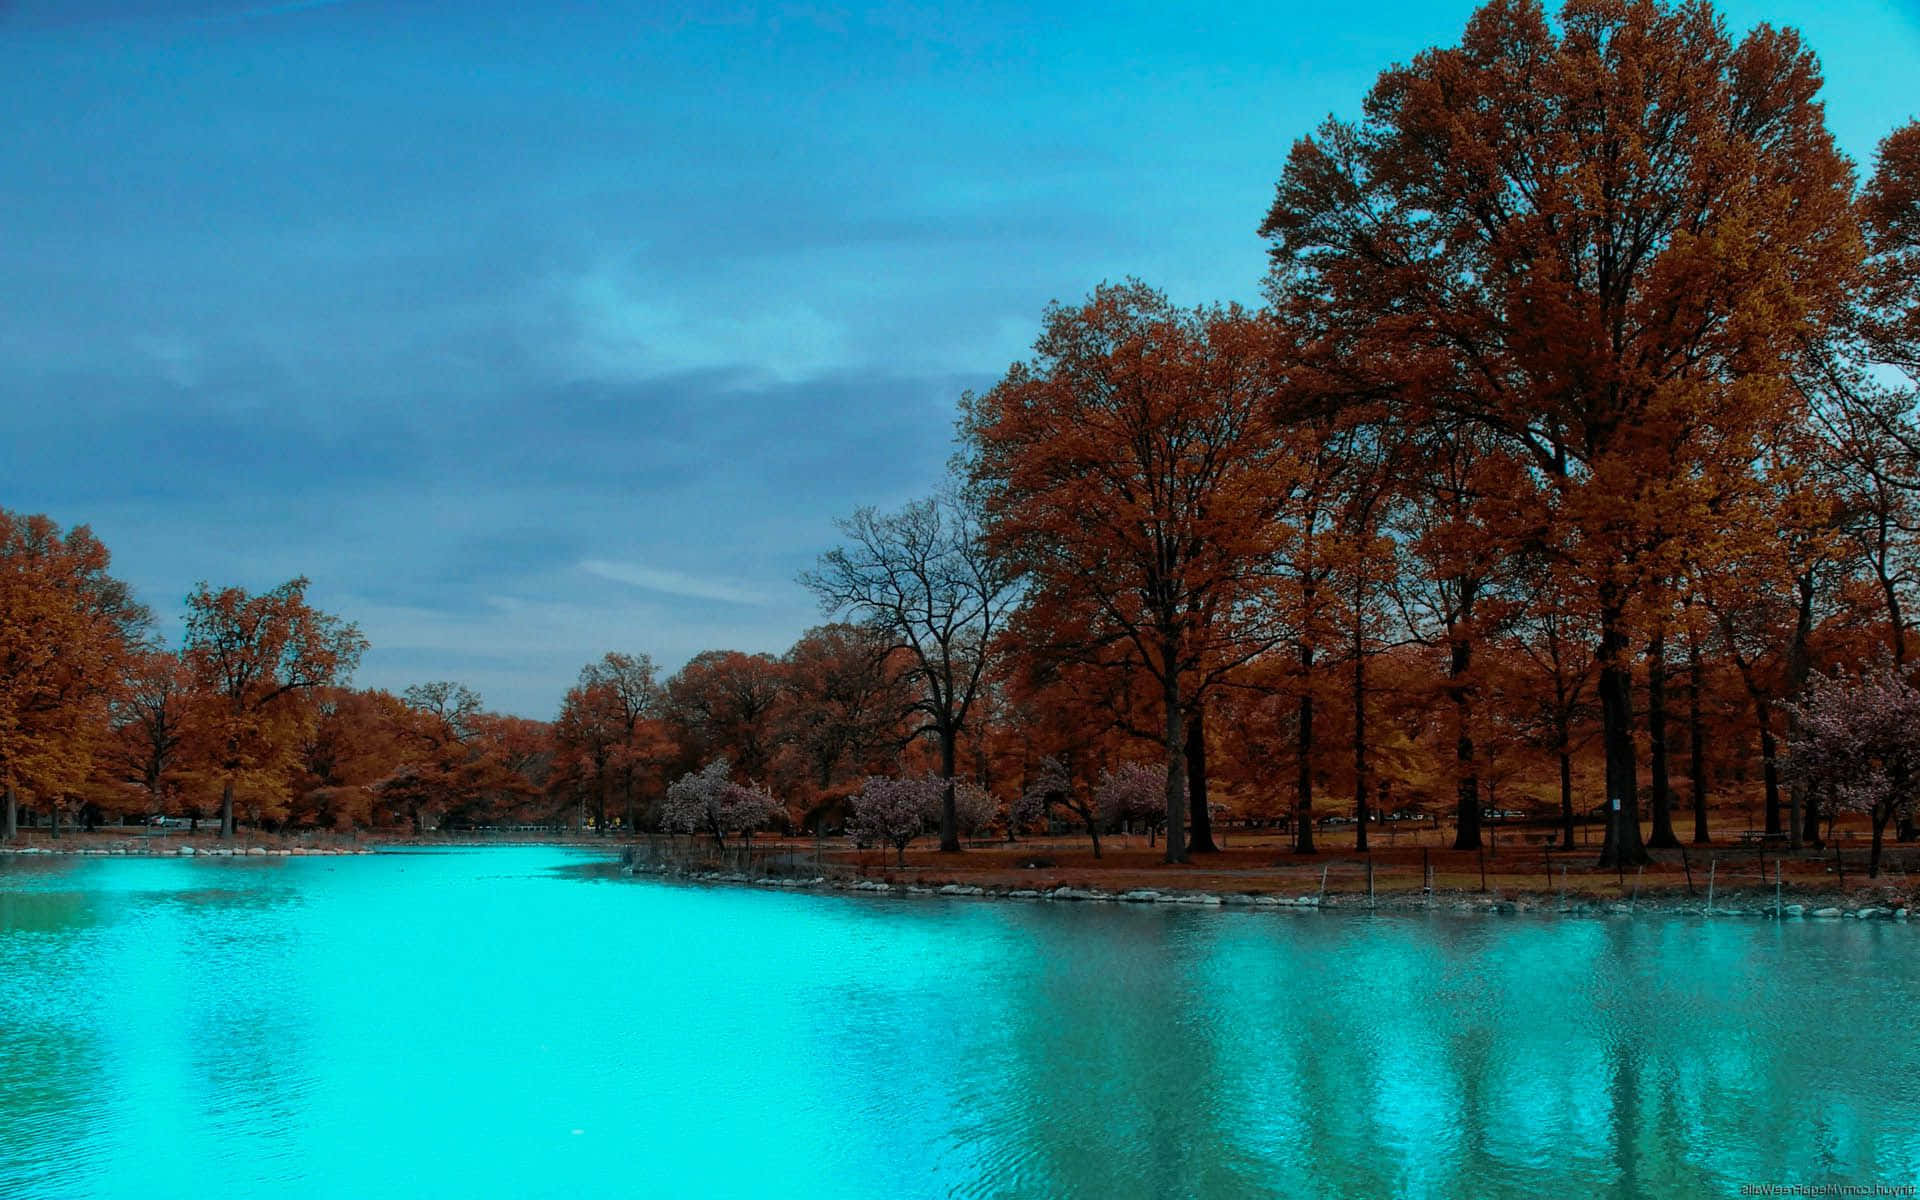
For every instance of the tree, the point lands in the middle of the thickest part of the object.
(708, 801)
(1859, 744)
(974, 807)
(1051, 786)
(1131, 469)
(892, 812)
(1132, 792)
(67, 631)
(846, 693)
(1462, 482)
(612, 730)
(257, 657)
(152, 725)
(1606, 242)
(724, 702)
(925, 579)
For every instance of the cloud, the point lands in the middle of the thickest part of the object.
(673, 583)
(621, 326)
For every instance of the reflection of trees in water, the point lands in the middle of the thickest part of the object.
(50, 1068)
(50, 1074)
(1112, 1076)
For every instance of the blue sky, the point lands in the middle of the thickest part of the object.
(531, 331)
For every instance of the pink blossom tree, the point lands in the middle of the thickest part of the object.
(974, 807)
(1858, 744)
(1133, 792)
(1051, 787)
(707, 801)
(892, 812)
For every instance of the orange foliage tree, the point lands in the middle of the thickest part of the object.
(258, 659)
(1604, 239)
(1130, 471)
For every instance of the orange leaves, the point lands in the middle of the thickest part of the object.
(67, 630)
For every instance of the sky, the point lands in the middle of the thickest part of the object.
(533, 331)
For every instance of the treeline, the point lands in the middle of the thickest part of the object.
(1570, 467)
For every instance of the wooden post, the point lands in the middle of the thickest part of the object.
(1369, 881)
(1483, 870)
(1323, 881)
(1687, 867)
(1637, 876)
(1713, 865)
(1776, 889)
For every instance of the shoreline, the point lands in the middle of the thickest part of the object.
(1805, 905)
(1794, 902)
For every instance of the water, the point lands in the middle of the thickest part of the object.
(526, 1022)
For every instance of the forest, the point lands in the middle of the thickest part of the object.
(1567, 473)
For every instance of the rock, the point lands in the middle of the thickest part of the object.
(185, 851)
(962, 889)
(1236, 898)
(872, 885)
(1825, 914)
(1140, 896)
(1899, 914)
(1073, 893)
(1023, 894)
(1870, 913)
(1794, 910)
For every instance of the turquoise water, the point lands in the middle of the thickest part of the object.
(526, 1022)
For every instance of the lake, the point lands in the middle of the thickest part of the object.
(527, 1022)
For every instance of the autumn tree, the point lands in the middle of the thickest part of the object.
(355, 744)
(1130, 469)
(258, 658)
(925, 579)
(846, 693)
(1605, 240)
(1462, 485)
(153, 724)
(725, 702)
(67, 631)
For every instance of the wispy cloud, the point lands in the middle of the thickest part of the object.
(672, 583)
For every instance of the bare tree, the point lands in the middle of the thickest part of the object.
(923, 576)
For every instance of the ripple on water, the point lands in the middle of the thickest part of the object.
(526, 1022)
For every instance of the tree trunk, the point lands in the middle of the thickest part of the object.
(1196, 751)
(1566, 789)
(949, 823)
(1799, 666)
(1466, 783)
(1093, 831)
(1662, 836)
(9, 817)
(1622, 845)
(1769, 766)
(1176, 761)
(1880, 815)
(1303, 782)
(1696, 742)
(226, 809)
(1360, 813)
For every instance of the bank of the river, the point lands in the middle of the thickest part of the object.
(1402, 879)
(1785, 905)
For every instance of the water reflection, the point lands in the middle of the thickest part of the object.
(511, 1022)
